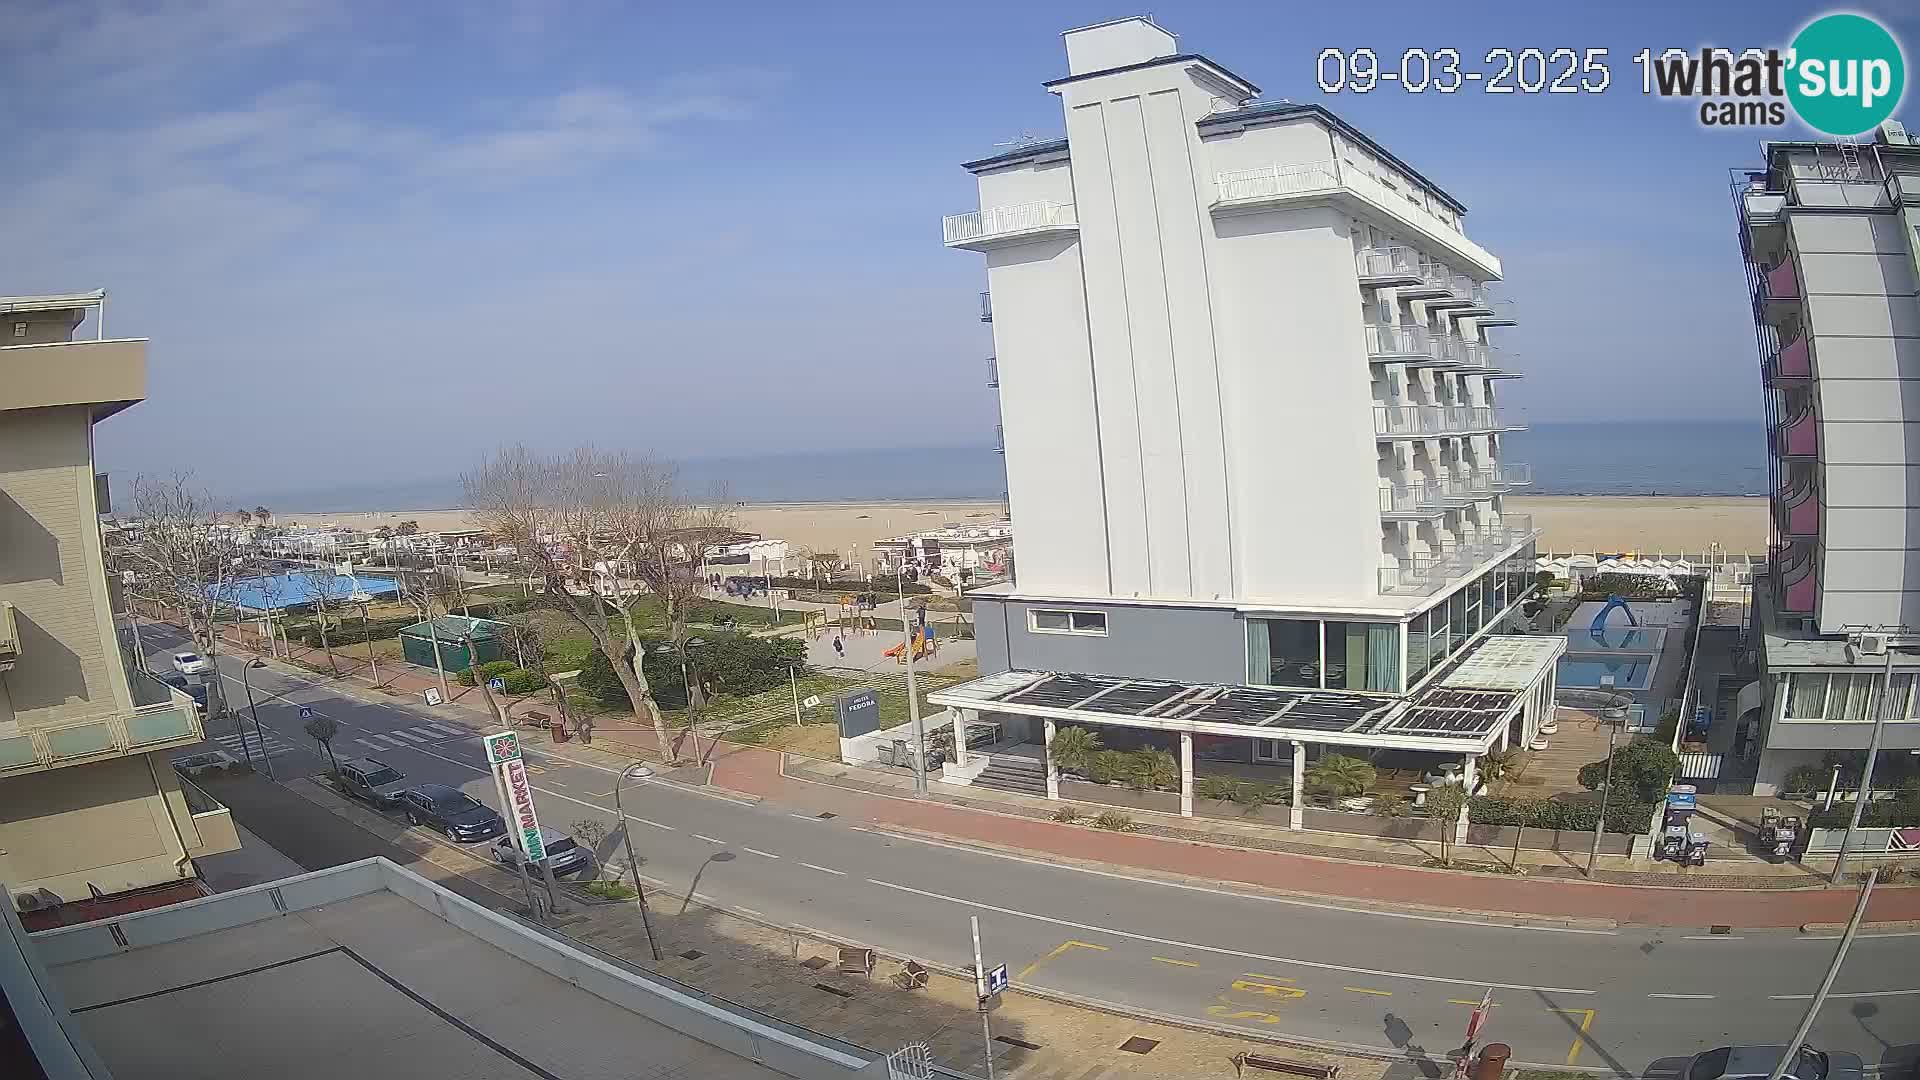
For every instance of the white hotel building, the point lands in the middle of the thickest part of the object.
(1249, 402)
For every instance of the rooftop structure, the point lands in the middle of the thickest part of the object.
(371, 969)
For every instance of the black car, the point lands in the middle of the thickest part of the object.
(452, 811)
(196, 691)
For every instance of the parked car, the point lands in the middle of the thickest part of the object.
(373, 781)
(195, 764)
(564, 854)
(194, 690)
(448, 809)
(1746, 1062)
(191, 663)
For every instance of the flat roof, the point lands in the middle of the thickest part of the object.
(372, 970)
(1265, 112)
(52, 301)
(1440, 718)
(1505, 662)
(1786, 646)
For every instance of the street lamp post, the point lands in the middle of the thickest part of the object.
(1606, 790)
(1873, 752)
(635, 771)
(255, 711)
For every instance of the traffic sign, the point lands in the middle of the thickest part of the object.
(432, 695)
(498, 686)
(812, 702)
(996, 979)
(306, 712)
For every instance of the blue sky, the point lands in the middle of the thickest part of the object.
(387, 237)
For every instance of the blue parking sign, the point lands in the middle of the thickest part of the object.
(306, 712)
(498, 686)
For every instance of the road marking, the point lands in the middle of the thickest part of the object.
(1856, 994)
(1057, 951)
(410, 736)
(1468, 1001)
(1289, 901)
(1262, 975)
(447, 731)
(1713, 937)
(390, 743)
(708, 839)
(805, 817)
(750, 911)
(555, 783)
(757, 851)
(1176, 963)
(375, 745)
(530, 768)
(674, 784)
(1248, 986)
(1856, 937)
(1364, 990)
(1580, 1039)
(1683, 997)
(645, 821)
(599, 794)
(825, 869)
(1227, 952)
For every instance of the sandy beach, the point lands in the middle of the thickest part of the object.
(1568, 523)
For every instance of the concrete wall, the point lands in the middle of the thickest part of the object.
(1180, 643)
(1857, 271)
(52, 570)
(109, 824)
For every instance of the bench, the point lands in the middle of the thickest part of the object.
(912, 976)
(855, 960)
(1312, 1070)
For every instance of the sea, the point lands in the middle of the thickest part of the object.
(1640, 457)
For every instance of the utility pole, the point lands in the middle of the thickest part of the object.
(1833, 970)
(1873, 753)
(913, 691)
(1606, 791)
(980, 986)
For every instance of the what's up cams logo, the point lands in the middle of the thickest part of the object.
(1843, 75)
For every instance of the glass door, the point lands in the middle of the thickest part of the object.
(1272, 751)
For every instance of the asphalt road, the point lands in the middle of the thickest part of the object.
(1633, 1000)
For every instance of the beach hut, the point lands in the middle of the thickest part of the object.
(464, 642)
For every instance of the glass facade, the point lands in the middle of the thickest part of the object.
(1845, 697)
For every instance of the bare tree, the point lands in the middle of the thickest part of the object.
(420, 590)
(263, 515)
(588, 523)
(321, 598)
(181, 558)
(323, 729)
(673, 535)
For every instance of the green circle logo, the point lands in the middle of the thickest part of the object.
(1847, 74)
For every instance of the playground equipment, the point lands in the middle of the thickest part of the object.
(922, 645)
(813, 623)
(1599, 628)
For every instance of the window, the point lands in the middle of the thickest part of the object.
(1062, 621)
(1293, 652)
(1806, 696)
(1850, 697)
(19, 329)
(1362, 656)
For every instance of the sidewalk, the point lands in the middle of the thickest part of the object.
(786, 973)
(1363, 869)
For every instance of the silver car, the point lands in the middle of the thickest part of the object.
(564, 855)
(1749, 1062)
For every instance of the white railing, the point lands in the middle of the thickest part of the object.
(999, 439)
(1387, 340)
(1512, 476)
(1396, 261)
(1477, 354)
(1009, 221)
(1330, 174)
(993, 372)
(148, 727)
(986, 306)
(1437, 419)
(1411, 498)
(1448, 347)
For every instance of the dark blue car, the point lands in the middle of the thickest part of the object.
(449, 810)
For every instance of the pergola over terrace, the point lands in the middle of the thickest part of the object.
(1500, 691)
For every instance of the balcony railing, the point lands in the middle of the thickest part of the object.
(993, 373)
(1505, 477)
(1414, 421)
(1009, 222)
(1384, 340)
(148, 727)
(1282, 182)
(986, 306)
(213, 829)
(1381, 267)
(1412, 500)
(999, 439)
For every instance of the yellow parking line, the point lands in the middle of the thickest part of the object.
(1176, 963)
(1579, 1040)
(1364, 990)
(1061, 948)
(1466, 1001)
(1257, 975)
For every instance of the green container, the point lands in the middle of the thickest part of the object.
(464, 642)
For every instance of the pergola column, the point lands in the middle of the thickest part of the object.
(1046, 754)
(1469, 776)
(1186, 774)
(1299, 784)
(959, 738)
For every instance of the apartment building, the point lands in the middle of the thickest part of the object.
(90, 809)
(1828, 230)
(1250, 400)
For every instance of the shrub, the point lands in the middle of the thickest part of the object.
(492, 669)
(734, 664)
(1807, 778)
(1623, 816)
(1073, 748)
(1212, 787)
(1108, 766)
(609, 890)
(1067, 814)
(1274, 794)
(1153, 769)
(1114, 821)
(1392, 806)
(1642, 769)
(1339, 775)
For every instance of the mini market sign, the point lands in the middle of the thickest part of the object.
(516, 793)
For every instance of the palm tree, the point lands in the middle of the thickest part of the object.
(1154, 769)
(263, 515)
(1495, 768)
(1340, 776)
(1072, 748)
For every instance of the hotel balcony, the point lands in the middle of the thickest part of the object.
(1333, 181)
(1469, 486)
(1508, 477)
(1797, 515)
(213, 828)
(1778, 293)
(986, 306)
(993, 373)
(1425, 573)
(1792, 567)
(163, 718)
(985, 230)
(1791, 365)
(1399, 344)
(1433, 421)
(1798, 438)
(1413, 502)
(1388, 267)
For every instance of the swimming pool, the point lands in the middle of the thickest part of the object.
(1615, 637)
(1630, 671)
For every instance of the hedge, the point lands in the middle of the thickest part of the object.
(353, 631)
(492, 669)
(1901, 813)
(737, 665)
(1622, 817)
(881, 586)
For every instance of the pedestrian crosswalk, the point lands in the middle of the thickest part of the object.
(401, 738)
(255, 742)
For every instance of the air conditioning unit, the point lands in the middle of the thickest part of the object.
(1874, 644)
(35, 900)
(9, 637)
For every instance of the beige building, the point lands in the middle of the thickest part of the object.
(89, 805)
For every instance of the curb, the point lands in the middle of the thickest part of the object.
(1840, 927)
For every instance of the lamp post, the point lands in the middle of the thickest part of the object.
(636, 772)
(1873, 752)
(1606, 790)
(255, 710)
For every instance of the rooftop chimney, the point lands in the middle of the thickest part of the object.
(1116, 44)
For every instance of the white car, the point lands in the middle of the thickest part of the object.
(191, 663)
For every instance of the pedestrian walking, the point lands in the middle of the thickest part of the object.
(839, 647)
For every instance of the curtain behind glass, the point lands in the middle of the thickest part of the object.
(1806, 696)
(1259, 654)
(1383, 657)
